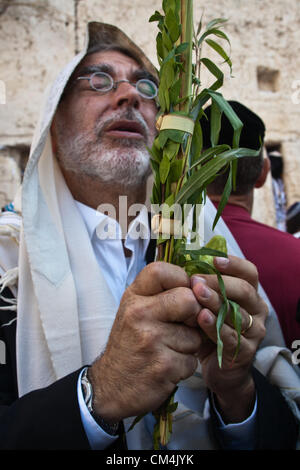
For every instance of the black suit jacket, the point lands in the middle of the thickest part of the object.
(49, 418)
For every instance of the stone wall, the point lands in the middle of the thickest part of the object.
(38, 37)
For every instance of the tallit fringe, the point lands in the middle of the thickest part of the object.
(9, 279)
(8, 300)
(11, 231)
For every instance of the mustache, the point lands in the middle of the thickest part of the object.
(129, 115)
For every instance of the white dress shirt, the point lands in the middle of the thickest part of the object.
(120, 272)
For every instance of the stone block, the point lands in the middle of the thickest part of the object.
(37, 39)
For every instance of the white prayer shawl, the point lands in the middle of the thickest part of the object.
(65, 308)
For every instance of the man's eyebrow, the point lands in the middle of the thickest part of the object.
(143, 73)
(136, 75)
(89, 69)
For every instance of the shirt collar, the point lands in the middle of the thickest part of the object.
(138, 227)
(91, 217)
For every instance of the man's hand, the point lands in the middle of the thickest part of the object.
(232, 385)
(151, 346)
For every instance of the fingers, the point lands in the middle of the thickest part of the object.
(175, 305)
(244, 294)
(186, 364)
(153, 334)
(238, 267)
(158, 277)
(207, 322)
(207, 291)
(182, 338)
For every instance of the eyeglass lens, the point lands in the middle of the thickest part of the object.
(103, 82)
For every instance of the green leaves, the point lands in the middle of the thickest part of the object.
(213, 32)
(164, 169)
(219, 49)
(224, 198)
(233, 309)
(225, 107)
(214, 70)
(196, 146)
(171, 149)
(173, 27)
(182, 169)
(201, 178)
(175, 170)
(210, 37)
(215, 22)
(215, 123)
(236, 318)
(156, 17)
(168, 53)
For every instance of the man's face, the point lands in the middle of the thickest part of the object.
(105, 135)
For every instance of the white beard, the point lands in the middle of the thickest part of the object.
(127, 166)
(123, 161)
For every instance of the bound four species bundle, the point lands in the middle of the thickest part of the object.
(182, 168)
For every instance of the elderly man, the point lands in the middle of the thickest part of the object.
(100, 336)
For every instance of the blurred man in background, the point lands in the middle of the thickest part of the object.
(275, 253)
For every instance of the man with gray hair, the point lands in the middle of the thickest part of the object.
(101, 337)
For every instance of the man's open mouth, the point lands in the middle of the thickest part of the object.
(126, 129)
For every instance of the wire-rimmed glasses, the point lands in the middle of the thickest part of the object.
(103, 83)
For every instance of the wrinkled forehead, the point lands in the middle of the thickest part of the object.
(114, 61)
(110, 62)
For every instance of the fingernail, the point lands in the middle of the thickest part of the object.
(202, 290)
(196, 279)
(222, 262)
(207, 317)
(205, 292)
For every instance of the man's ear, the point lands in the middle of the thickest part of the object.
(264, 173)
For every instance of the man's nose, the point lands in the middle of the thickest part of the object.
(126, 94)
